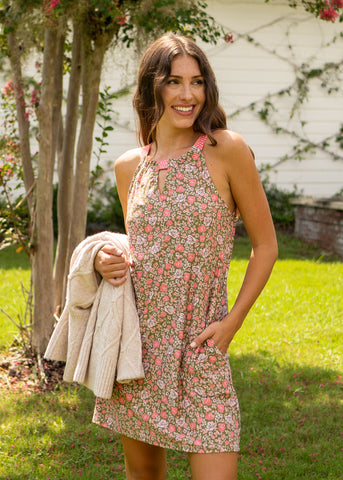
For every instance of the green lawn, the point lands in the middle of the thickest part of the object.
(287, 369)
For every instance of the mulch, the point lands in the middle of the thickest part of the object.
(23, 372)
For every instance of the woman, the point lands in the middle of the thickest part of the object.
(180, 196)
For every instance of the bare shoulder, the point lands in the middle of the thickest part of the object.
(128, 161)
(231, 145)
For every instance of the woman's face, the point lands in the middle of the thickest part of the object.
(183, 95)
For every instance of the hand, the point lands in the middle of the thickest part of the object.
(112, 265)
(221, 333)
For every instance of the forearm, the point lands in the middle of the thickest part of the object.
(259, 268)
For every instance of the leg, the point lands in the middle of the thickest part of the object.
(144, 461)
(214, 466)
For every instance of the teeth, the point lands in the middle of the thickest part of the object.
(183, 109)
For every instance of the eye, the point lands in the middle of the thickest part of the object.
(172, 81)
(199, 81)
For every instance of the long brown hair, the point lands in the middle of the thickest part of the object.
(154, 71)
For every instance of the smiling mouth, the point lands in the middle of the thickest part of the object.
(184, 109)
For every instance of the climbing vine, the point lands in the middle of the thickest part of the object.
(328, 76)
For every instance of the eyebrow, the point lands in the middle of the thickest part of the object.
(180, 76)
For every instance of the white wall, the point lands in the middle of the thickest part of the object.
(247, 72)
(283, 39)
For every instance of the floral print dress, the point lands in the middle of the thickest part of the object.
(181, 240)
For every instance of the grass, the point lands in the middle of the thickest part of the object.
(286, 363)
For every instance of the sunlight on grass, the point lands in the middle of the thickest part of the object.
(14, 272)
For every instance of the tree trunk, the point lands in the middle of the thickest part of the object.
(42, 263)
(23, 123)
(65, 187)
(92, 61)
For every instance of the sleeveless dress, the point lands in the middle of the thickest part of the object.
(181, 240)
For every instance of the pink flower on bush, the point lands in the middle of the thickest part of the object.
(337, 3)
(228, 38)
(328, 14)
(121, 20)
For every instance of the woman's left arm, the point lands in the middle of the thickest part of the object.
(248, 194)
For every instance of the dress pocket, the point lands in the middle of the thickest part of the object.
(207, 371)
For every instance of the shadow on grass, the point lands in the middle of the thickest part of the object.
(291, 419)
(290, 415)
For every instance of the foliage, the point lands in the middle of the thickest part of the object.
(328, 10)
(282, 210)
(104, 210)
(286, 364)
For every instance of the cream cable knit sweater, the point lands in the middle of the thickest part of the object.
(98, 333)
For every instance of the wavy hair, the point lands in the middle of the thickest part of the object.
(153, 74)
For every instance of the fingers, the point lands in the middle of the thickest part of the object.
(112, 265)
(204, 335)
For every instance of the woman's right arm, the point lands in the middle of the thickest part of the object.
(110, 262)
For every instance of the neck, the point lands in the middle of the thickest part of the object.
(173, 141)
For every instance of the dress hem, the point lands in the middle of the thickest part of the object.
(169, 446)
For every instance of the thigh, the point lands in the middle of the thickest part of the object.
(144, 461)
(216, 466)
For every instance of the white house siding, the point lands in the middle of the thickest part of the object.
(249, 71)
(283, 39)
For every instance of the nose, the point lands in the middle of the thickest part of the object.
(186, 92)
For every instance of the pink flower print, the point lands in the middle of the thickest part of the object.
(169, 222)
(220, 408)
(187, 276)
(158, 361)
(128, 397)
(140, 256)
(221, 427)
(173, 410)
(209, 416)
(130, 413)
(206, 277)
(197, 442)
(166, 212)
(207, 401)
(192, 425)
(191, 257)
(202, 238)
(171, 428)
(179, 248)
(189, 307)
(177, 353)
(145, 417)
(178, 264)
(203, 206)
(164, 399)
(214, 197)
(179, 175)
(212, 359)
(167, 238)
(191, 199)
(139, 274)
(180, 189)
(148, 228)
(192, 182)
(164, 287)
(155, 343)
(160, 271)
(202, 228)
(162, 197)
(168, 266)
(195, 156)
